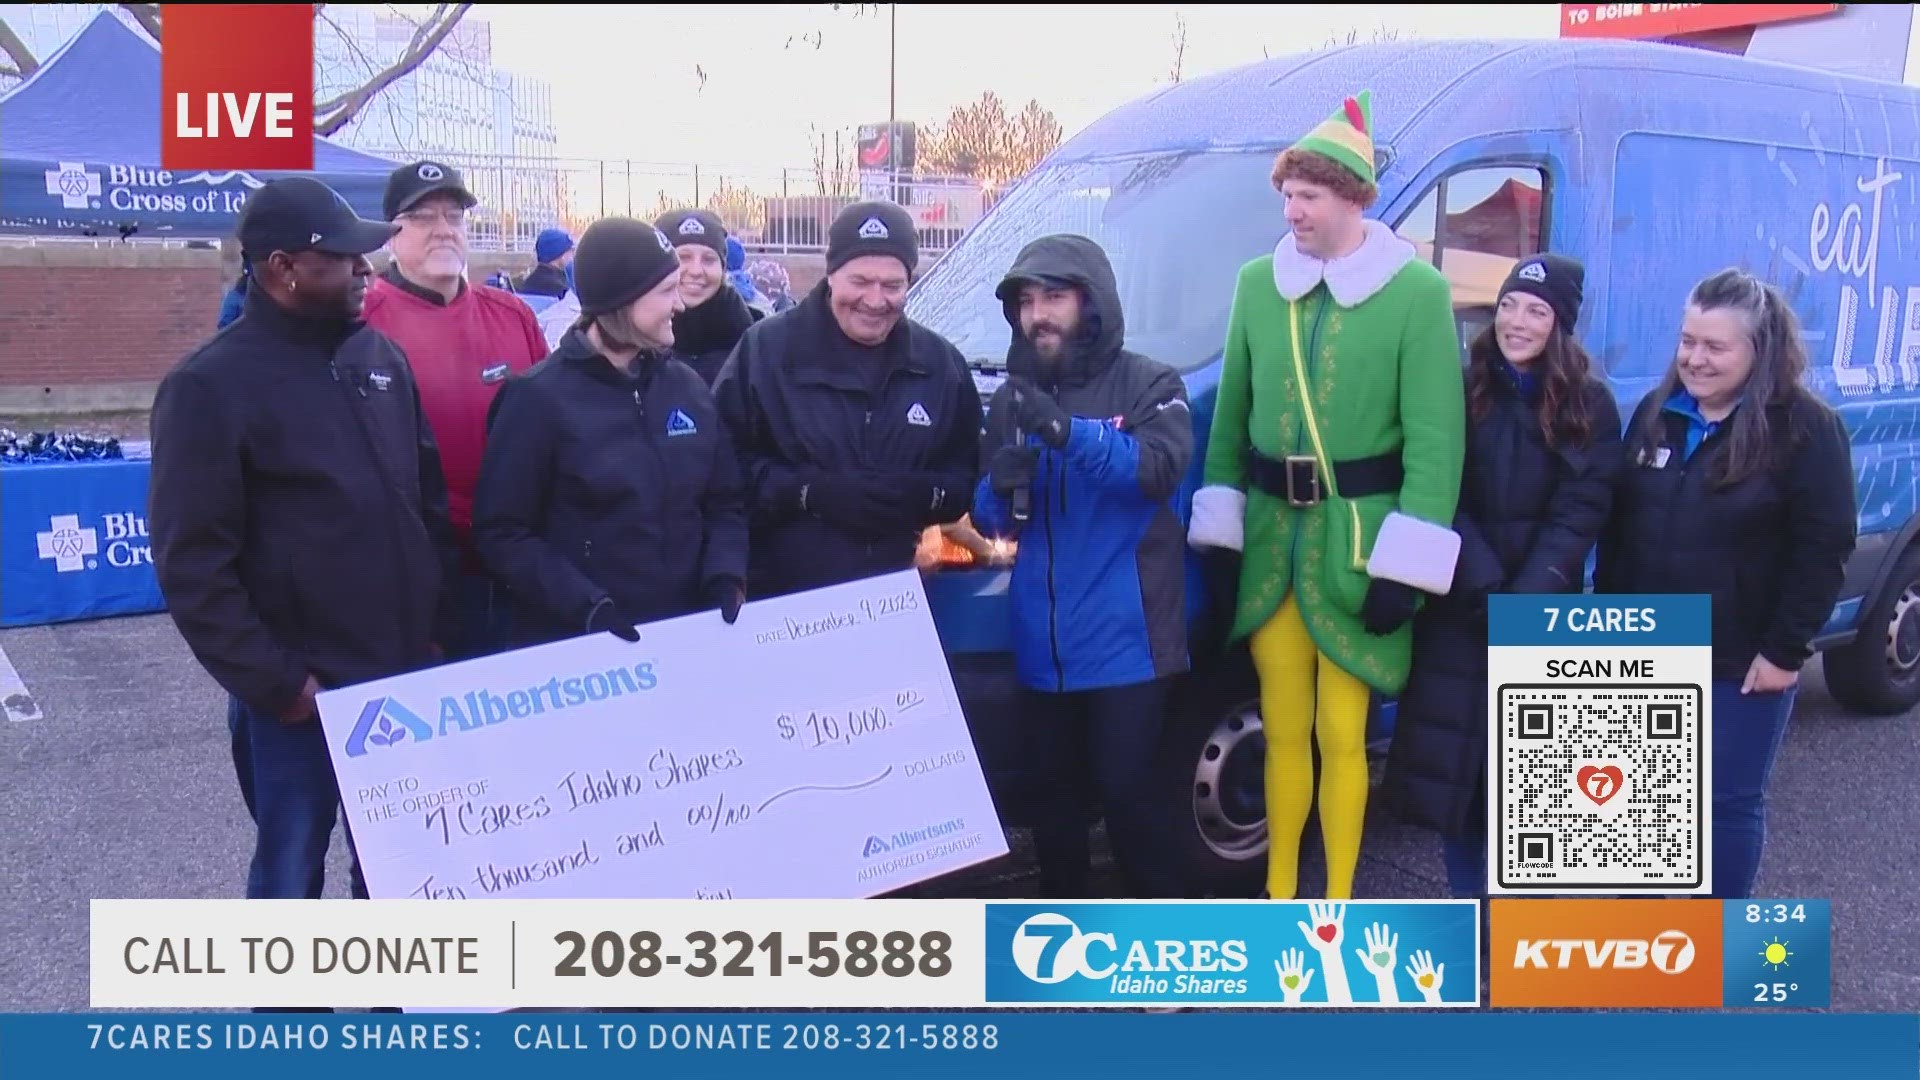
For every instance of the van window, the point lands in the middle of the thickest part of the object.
(1493, 219)
(1176, 226)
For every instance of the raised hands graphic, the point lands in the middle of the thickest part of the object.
(1324, 936)
(1427, 977)
(1377, 957)
(1294, 976)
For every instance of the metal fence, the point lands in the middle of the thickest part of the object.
(771, 210)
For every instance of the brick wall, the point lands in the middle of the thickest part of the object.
(91, 329)
(82, 323)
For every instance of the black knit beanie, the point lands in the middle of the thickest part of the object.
(701, 227)
(873, 228)
(617, 261)
(1558, 280)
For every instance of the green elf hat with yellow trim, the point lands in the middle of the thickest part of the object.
(1346, 136)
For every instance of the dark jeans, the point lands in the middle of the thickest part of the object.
(486, 623)
(1112, 734)
(286, 780)
(1465, 854)
(1747, 732)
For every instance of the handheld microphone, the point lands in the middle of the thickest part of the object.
(1022, 495)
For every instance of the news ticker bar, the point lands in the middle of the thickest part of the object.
(835, 1045)
(496, 955)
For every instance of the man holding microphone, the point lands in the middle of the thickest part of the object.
(1087, 444)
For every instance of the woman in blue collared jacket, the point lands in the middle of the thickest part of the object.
(1738, 483)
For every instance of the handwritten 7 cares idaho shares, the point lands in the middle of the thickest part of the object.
(813, 749)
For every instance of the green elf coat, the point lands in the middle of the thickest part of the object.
(1380, 356)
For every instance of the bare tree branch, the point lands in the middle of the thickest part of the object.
(23, 62)
(147, 15)
(1179, 47)
(425, 40)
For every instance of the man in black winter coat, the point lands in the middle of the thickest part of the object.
(857, 427)
(299, 515)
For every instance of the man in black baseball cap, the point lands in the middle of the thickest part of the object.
(298, 514)
(463, 338)
(303, 240)
(409, 184)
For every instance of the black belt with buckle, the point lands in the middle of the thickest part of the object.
(1296, 478)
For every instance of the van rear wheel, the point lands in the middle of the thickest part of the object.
(1212, 783)
(1878, 673)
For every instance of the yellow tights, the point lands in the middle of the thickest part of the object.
(1304, 694)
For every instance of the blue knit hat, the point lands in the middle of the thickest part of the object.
(551, 244)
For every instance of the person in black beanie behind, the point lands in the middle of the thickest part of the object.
(1544, 450)
(857, 427)
(716, 314)
(610, 495)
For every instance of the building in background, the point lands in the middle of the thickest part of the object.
(496, 126)
(1872, 41)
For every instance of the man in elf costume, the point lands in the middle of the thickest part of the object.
(1341, 400)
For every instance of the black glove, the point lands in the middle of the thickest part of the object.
(844, 500)
(606, 615)
(1388, 606)
(727, 594)
(1040, 414)
(1220, 571)
(1012, 468)
(907, 500)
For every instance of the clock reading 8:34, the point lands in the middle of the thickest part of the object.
(1776, 913)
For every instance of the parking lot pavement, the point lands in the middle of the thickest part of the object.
(120, 785)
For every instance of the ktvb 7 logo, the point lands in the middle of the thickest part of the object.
(1605, 954)
(1670, 951)
(228, 106)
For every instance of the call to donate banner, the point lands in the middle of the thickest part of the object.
(815, 748)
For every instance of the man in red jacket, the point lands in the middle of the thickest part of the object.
(462, 341)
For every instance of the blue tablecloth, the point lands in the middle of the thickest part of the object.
(73, 543)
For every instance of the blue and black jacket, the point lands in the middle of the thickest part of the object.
(1098, 591)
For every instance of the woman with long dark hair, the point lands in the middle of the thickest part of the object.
(1738, 483)
(1543, 450)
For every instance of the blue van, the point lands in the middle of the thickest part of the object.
(1653, 164)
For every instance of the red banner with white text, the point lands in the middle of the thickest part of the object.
(1666, 20)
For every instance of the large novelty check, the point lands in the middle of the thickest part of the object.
(814, 749)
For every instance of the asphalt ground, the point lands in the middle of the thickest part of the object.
(116, 782)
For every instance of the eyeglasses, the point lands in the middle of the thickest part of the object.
(455, 218)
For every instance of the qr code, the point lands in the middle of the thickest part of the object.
(1601, 787)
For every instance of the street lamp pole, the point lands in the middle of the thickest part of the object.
(893, 132)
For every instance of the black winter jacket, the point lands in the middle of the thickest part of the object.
(705, 336)
(1529, 515)
(800, 407)
(1772, 549)
(601, 485)
(297, 508)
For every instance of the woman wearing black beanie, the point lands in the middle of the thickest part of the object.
(716, 314)
(609, 495)
(1543, 449)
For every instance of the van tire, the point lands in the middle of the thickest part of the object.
(1878, 672)
(1211, 783)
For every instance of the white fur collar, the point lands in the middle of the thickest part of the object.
(1352, 279)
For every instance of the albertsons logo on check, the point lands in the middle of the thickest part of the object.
(1368, 954)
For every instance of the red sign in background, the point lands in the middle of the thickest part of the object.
(236, 84)
(1666, 20)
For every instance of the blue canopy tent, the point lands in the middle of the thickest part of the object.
(80, 150)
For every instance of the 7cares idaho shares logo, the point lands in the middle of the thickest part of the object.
(1372, 954)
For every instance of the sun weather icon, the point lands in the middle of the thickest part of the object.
(1775, 953)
